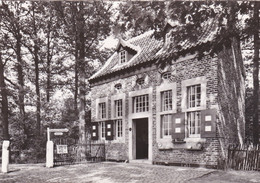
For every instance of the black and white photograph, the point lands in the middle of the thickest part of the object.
(129, 91)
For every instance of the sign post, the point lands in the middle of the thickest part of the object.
(50, 146)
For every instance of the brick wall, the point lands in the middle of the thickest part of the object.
(182, 70)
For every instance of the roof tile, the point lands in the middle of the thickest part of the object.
(148, 48)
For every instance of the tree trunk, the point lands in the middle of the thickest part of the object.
(256, 75)
(48, 88)
(231, 89)
(75, 29)
(4, 102)
(37, 86)
(76, 78)
(81, 69)
(231, 97)
(20, 81)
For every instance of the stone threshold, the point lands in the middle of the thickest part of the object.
(141, 161)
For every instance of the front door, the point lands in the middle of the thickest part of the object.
(142, 138)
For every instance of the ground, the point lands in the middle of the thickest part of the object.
(109, 172)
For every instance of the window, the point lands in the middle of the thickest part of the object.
(140, 81)
(119, 128)
(122, 56)
(194, 120)
(141, 103)
(102, 110)
(166, 125)
(118, 86)
(166, 75)
(118, 108)
(166, 100)
(102, 130)
(194, 96)
(194, 117)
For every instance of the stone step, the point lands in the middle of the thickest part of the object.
(141, 161)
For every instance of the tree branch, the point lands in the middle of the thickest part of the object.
(15, 85)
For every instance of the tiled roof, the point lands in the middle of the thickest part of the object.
(145, 45)
(208, 35)
(148, 49)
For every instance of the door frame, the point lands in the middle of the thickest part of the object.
(131, 124)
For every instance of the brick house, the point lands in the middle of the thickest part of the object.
(165, 114)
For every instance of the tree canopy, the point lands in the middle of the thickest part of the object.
(49, 49)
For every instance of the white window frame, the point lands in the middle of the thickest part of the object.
(193, 99)
(140, 81)
(141, 103)
(98, 115)
(166, 75)
(166, 100)
(184, 90)
(166, 125)
(196, 121)
(116, 118)
(191, 109)
(102, 130)
(122, 56)
(118, 86)
(164, 87)
(102, 110)
(118, 108)
(118, 128)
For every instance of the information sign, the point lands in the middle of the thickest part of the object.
(62, 149)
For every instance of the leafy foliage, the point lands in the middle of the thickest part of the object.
(40, 50)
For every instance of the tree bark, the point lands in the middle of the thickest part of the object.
(81, 68)
(76, 54)
(48, 88)
(256, 75)
(4, 102)
(231, 89)
(38, 101)
(37, 86)
(20, 79)
(76, 78)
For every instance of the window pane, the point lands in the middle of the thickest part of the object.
(166, 102)
(166, 75)
(118, 108)
(141, 103)
(102, 110)
(122, 56)
(194, 121)
(166, 124)
(102, 129)
(119, 127)
(194, 96)
(118, 86)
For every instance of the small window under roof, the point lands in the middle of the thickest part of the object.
(118, 86)
(122, 56)
(166, 75)
(140, 81)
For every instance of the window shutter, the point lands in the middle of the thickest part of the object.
(109, 130)
(208, 123)
(94, 131)
(178, 126)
